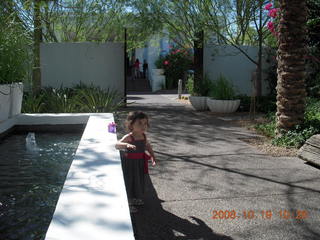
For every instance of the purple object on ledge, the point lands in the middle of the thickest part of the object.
(112, 127)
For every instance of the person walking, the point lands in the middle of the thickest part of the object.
(136, 68)
(145, 68)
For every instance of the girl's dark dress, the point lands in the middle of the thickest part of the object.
(134, 166)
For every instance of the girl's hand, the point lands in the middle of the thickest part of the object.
(130, 146)
(153, 161)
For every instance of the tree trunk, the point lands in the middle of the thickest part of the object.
(198, 62)
(291, 91)
(258, 85)
(37, 38)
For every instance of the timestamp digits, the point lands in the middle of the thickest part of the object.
(263, 214)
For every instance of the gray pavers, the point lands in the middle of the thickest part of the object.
(205, 166)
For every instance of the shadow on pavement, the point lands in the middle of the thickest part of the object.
(152, 222)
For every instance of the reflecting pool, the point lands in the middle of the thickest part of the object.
(31, 179)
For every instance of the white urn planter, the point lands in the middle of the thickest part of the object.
(223, 106)
(10, 100)
(158, 71)
(157, 79)
(16, 99)
(198, 103)
(5, 98)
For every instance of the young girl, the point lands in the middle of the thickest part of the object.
(135, 157)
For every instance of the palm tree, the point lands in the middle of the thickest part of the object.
(291, 91)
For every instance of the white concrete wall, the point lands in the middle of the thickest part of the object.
(68, 64)
(234, 65)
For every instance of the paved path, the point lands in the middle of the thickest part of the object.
(205, 167)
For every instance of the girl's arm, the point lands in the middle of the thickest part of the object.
(149, 149)
(124, 143)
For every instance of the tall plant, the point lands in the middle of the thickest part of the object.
(222, 89)
(14, 54)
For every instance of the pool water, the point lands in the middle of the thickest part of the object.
(31, 181)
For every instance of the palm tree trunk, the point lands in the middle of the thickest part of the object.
(291, 91)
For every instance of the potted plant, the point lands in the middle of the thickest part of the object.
(222, 96)
(198, 98)
(14, 61)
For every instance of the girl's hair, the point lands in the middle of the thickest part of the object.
(134, 116)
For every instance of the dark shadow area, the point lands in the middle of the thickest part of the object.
(134, 98)
(189, 159)
(313, 165)
(152, 222)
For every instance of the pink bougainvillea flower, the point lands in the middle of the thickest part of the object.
(270, 25)
(268, 6)
(166, 62)
(273, 13)
(271, 28)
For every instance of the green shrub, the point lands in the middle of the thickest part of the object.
(94, 99)
(190, 85)
(222, 89)
(33, 103)
(297, 136)
(82, 98)
(268, 128)
(159, 63)
(312, 109)
(175, 64)
(14, 54)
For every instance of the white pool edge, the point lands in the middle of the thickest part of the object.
(93, 203)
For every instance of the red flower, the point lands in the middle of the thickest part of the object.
(270, 26)
(268, 6)
(273, 13)
(166, 62)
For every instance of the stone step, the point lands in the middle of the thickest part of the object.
(310, 151)
(141, 85)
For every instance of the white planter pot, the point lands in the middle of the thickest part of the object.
(158, 71)
(198, 103)
(223, 106)
(5, 101)
(10, 100)
(16, 99)
(157, 79)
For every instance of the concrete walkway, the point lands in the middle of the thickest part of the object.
(205, 170)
